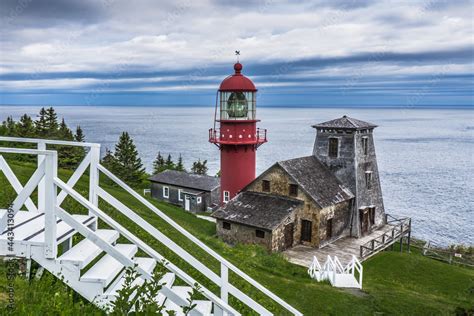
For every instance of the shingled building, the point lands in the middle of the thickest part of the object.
(311, 200)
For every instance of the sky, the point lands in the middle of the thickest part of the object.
(298, 53)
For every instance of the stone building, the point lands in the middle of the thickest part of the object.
(338, 189)
(193, 192)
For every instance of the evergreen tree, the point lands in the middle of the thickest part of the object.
(79, 136)
(158, 164)
(40, 124)
(26, 127)
(109, 161)
(51, 122)
(169, 164)
(9, 125)
(180, 165)
(199, 167)
(129, 165)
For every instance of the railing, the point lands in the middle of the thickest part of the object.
(400, 228)
(355, 267)
(45, 177)
(257, 138)
(332, 270)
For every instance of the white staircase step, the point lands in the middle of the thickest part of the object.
(346, 280)
(107, 268)
(26, 224)
(84, 252)
(167, 280)
(147, 264)
(63, 230)
(204, 307)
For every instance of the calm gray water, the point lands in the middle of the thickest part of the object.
(425, 155)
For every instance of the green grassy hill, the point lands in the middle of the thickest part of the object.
(394, 283)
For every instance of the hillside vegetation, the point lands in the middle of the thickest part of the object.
(394, 283)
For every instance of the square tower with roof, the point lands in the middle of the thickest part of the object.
(346, 146)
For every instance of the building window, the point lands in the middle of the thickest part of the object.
(368, 180)
(198, 200)
(293, 190)
(265, 186)
(329, 228)
(372, 215)
(226, 225)
(365, 145)
(180, 194)
(333, 147)
(306, 230)
(166, 192)
(260, 233)
(226, 196)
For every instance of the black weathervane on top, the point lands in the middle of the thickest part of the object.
(237, 53)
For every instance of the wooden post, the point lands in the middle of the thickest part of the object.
(50, 194)
(224, 283)
(94, 179)
(401, 243)
(41, 193)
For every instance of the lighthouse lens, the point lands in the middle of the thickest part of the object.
(237, 106)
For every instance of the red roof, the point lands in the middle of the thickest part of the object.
(237, 81)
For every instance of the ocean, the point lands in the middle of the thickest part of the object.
(425, 156)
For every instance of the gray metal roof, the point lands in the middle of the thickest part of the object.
(186, 180)
(345, 122)
(316, 180)
(257, 209)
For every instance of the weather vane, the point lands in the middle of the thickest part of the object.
(237, 53)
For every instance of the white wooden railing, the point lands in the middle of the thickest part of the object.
(46, 179)
(332, 270)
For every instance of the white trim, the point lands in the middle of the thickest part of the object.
(166, 189)
(180, 196)
(226, 196)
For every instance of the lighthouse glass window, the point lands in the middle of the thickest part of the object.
(237, 105)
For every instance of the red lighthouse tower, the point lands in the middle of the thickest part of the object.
(237, 136)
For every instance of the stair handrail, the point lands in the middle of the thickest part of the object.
(314, 268)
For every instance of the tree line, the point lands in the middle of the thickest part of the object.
(124, 161)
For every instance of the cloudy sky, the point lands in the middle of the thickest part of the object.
(323, 52)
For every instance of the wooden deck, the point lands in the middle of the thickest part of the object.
(343, 248)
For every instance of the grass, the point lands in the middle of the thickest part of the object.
(394, 283)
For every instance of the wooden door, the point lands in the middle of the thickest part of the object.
(289, 230)
(329, 228)
(187, 203)
(364, 221)
(306, 230)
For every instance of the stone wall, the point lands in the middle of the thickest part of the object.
(239, 233)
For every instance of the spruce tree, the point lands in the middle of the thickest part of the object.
(79, 136)
(158, 164)
(129, 165)
(26, 127)
(40, 124)
(199, 167)
(10, 126)
(169, 164)
(51, 123)
(180, 165)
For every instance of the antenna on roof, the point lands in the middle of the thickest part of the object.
(237, 53)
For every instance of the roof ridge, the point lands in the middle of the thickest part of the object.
(350, 120)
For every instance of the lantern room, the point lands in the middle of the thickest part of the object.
(237, 97)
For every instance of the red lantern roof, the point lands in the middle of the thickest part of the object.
(237, 81)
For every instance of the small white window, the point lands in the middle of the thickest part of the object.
(199, 200)
(226, 196)
(180, 195)
(166, 192)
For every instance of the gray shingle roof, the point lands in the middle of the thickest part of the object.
(186, 180)
(316, 180)
(345, 122)
(257, 209)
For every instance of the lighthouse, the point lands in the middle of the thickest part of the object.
(235, 132)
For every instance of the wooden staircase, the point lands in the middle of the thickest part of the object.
(93, 260)
(333, 271)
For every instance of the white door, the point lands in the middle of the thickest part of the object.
(187, 203)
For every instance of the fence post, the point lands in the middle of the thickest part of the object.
(224, 282)
(41, 193)
(50, 194)
(94, 178)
